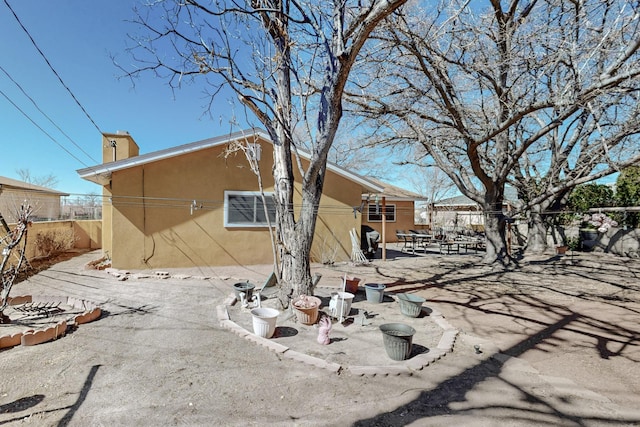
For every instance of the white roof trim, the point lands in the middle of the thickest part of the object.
(101, 174)
(10, 184)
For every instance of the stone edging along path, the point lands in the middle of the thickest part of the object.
(91, 312)
(416, 363)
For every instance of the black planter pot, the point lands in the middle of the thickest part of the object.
(245, 287)
(588, 238)
(589, 234)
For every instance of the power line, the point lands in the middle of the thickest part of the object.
(43, 131)
(51, 66)
(44, 114)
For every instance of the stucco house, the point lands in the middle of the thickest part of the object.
(192, 205)
(399, 205)
(45, 202)
(461, 212)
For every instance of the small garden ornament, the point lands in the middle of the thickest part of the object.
(323, 330)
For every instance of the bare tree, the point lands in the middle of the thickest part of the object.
(542, 93)
(288, 63)
(49, 180)
(13, 245)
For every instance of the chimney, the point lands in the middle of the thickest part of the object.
(118, 146)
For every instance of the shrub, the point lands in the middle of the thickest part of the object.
(53, 242)
(628, 193)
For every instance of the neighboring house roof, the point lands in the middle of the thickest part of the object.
(510, 196)
(391, 192)
(455, 201)
(101, 174)
(14, 184)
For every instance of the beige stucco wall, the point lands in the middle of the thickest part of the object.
(332, 242)
(85, 234)
(404, 219)
(88, 234)
(149, 223)
(118, 146)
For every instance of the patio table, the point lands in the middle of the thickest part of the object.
(417, 240)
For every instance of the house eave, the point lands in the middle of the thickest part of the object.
(101, 174)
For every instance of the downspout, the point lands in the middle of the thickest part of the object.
(113, 147)
(146, 258)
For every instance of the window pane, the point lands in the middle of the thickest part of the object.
(260, 210)
(271, 206)
(260, 217)
(374, 212)
(391, 213)
(246, 210)
(241, 209)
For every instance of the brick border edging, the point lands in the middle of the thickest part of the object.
(416, 363)
(33, 337)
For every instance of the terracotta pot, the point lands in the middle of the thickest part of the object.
(308, 315)
(351, 285)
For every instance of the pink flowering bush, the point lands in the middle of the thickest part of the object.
(600, 221)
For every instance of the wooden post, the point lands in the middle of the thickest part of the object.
(384, 228)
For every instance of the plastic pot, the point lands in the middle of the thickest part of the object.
(245, 287)
(374, 292)
(264, 321)
(410, 305)
(397, 339)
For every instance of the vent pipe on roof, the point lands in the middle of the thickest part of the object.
(114, 147)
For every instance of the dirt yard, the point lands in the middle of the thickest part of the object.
(558, 341)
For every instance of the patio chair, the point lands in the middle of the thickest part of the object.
(448, 242)
(403, 237)
(357, 256)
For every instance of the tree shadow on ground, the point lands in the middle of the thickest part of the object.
(29, 402)
(534, 299)
(441, 400)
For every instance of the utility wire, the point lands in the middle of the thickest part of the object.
(43, 131)
(213, 204)
(44, 114)
(51, 67)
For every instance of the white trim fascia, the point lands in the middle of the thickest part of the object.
(101, 174)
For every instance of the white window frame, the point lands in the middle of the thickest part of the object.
(257, 196)
(389, 206)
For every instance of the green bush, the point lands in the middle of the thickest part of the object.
(628, 194)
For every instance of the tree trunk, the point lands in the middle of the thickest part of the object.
(495, 224)
(295, 248)
(292, 237)
(296, 269)
(295, 235)
(537, 233)
(496, 239)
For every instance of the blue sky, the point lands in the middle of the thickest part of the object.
(78, 37)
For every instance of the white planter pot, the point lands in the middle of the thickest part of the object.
(264, 321)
